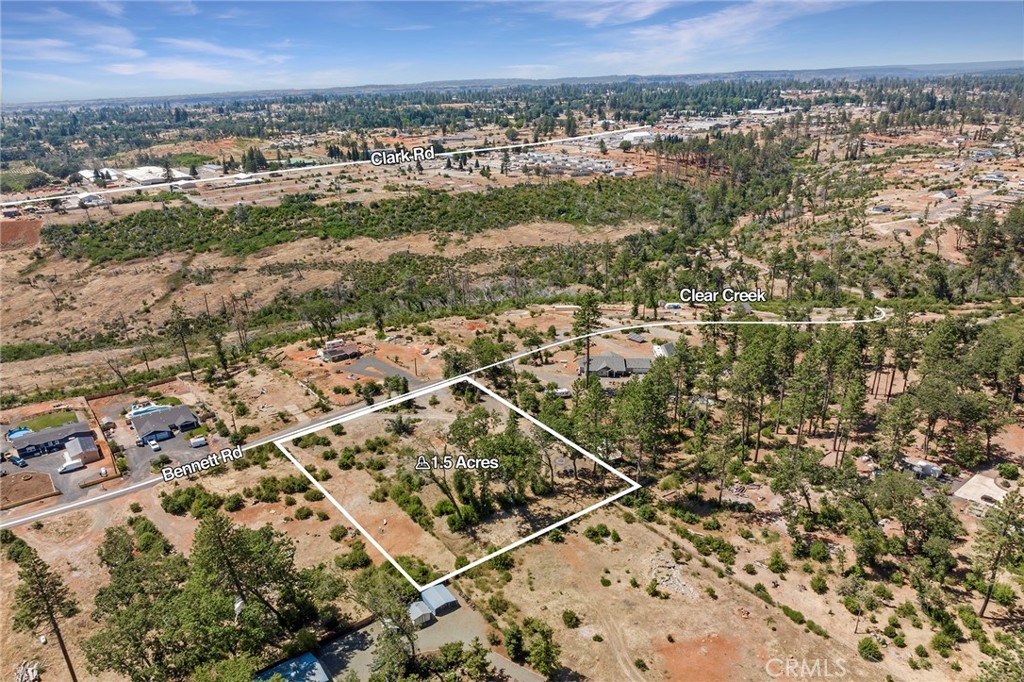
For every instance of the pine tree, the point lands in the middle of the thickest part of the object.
(1000, 540)
(42, 598)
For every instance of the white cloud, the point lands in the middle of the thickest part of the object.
(603, 12)
(677, 44)
(183, 8)
(43, 50)
(120, 51)
(103, 33)
(42, 76)
(177, 69)
(114, 9)
(210, 48)
(206, 47)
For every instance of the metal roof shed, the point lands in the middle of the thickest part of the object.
(439, 599)
(420, 614)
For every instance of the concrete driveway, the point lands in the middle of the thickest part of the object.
(355, 650)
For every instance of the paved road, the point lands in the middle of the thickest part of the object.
(355, 650)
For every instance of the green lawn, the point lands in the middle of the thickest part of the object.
(169, 400)
(47, 420)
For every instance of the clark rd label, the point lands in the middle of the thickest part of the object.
(213, 459)
(391, 157)
(425, 463)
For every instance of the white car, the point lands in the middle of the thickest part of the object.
(154, 446)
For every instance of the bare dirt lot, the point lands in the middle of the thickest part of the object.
(687, 636)
(382, 458)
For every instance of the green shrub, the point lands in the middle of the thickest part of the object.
(1004, 595)
(819, 551)
(194, 500)
(597, 534)
(777, 564)
(869, 650)
(571, 620)
(338, 532)
(443, 507)
(355, 558)
(749, 568)
(943, 644)
(303, 513)
(919, 650)
(761, 591)
(313, 495)
(233, 502)
(819, 584)
(817, 629)
(794, 615)
(1008, 471)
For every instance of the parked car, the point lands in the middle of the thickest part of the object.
(18, 461)
(154, 446)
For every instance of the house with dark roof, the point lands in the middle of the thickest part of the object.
(613, 366)
(338, 349)
(32, 443)
(156, 426)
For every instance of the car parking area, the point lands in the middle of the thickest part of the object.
(173, 451)
(39, 469)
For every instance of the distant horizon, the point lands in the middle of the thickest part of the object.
(66, 52)
(922, 71)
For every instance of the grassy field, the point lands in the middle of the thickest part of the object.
(45, 421)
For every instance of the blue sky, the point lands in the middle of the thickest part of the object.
(83, 50)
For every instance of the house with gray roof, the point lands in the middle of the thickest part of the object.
(156, 426)
(611, 365)
(32, 443)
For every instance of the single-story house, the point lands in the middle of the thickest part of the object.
(31, 443)
(612, 365)
(84, 449)
(420, 614)
(944, 194)
(162, 425)
(439, 599)
(664, 350)
(636, 338)
(304, 668)
(336, 350)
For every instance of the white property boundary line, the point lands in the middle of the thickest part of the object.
(631, 484)
(340, 164)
